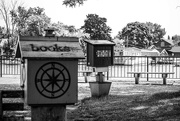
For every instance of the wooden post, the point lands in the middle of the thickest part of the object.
(48, 113)
(1, 66)
(1, 110)
(136, 78)
(108, 74)
(147, 68)
(164, 76)
(85, 76)
(100, 77)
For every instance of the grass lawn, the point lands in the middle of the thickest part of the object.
(126, 102)
(131, 103)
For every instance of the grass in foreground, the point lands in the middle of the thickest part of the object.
(158, 107)
(126, 103)
(157, 103)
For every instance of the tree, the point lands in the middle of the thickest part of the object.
(31, 22)
(63, 30)
(96, 27)
(73, 3)
(5, 8)
(141, 35)
(156, 31)
(135, 34)
(176, 38)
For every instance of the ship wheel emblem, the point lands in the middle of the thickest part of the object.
(52, 80)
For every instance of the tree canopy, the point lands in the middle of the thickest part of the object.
(156, 31)
(176, 38)
(30, 22)
(73, 3)
(96, 27)
(135, 34)
(141, 35)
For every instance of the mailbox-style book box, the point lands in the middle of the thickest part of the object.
(49, 69)
(100, 53)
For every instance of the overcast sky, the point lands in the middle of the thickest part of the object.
(118, 12)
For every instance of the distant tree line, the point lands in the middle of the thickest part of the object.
(32, 22)
(29, 22)
(141, 35)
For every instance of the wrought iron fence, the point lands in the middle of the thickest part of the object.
(9, 65)
(145, 64)
(122, 64)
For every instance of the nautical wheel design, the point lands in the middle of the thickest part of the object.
(52, 80)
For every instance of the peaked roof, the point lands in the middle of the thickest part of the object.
(152, 47)
(45, 47)
(149, 52)
(160, 49)
(169, 41)
(100, 42)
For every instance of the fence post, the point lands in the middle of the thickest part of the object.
(108, 74)
(147, 68)
(1, 110)
(1, 66)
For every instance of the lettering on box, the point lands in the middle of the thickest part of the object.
(52, 48)
(103, 53)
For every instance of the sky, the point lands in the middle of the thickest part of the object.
(117, 12)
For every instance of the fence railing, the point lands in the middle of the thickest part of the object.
(145, 64)
(9, 65)
(122, 65)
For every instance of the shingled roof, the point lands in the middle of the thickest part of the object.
(169, 41)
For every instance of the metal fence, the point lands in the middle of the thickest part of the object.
(122, 65)
(145, 64)
(9, 65)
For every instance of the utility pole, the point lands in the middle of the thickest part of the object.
(127, 41)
